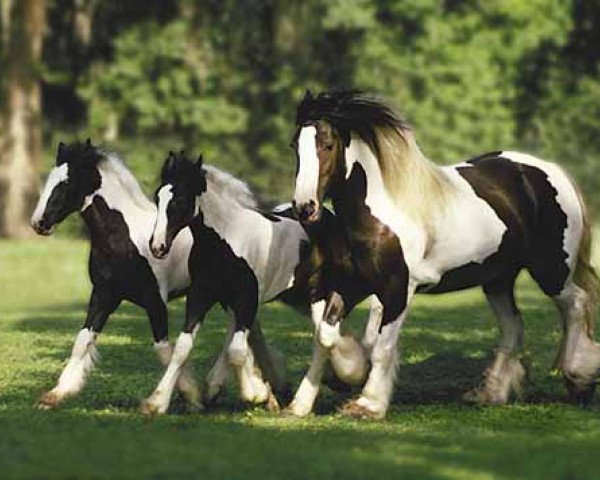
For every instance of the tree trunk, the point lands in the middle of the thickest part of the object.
(23, 26)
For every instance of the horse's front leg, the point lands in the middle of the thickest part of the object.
(375, 397)
(83, 356)
(307, 392)
(156, 310)
(196, 307)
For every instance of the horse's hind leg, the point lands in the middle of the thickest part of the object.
(579, 354)
(253, 388)
(219, 372)
(506, 373)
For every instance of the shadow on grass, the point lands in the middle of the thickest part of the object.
(422, 443)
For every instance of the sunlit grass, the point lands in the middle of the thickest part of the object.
(429, 432)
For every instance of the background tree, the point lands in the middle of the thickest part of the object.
(22, 30)
(224, 77)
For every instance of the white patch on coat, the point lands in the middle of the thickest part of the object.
(470, 231)
(307, 180)
(159, 236)
(56, 176)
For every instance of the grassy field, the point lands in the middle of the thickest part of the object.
(429, 433)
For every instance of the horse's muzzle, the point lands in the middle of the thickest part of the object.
(159, 251)
(308, 213)
(41, 229)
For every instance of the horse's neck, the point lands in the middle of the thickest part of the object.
(113, 194)
(218, 212)
(363, 203)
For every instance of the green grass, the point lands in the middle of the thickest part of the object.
(428, 434)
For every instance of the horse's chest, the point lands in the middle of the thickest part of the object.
(217, 270)
(115, 261)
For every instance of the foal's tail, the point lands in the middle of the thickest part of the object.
(585, 276)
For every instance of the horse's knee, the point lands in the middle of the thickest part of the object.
(328, 335)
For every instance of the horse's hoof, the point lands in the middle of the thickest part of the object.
(149, 409)
(580, 395)
(292, 411)
(481, 396)
(209, 401)
(48, 401)
(353, 409)
(194, 407)
(272, 405)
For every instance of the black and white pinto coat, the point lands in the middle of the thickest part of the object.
(485, 220)
(240, 258)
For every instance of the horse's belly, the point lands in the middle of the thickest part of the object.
(461, 278)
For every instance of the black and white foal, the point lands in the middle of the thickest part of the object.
(120, 219)
(415, 227)
(240, 258)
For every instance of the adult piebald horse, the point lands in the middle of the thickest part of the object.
(416, 227)
(119, 217)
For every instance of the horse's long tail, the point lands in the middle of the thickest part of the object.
(585, 276)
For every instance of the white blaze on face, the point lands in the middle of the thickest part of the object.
(307, 181)
(57, 176)
(159, 237)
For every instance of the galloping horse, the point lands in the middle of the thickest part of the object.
(119, 219)
(240, 257)
(415, 227)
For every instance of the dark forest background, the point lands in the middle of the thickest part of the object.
(224, 77)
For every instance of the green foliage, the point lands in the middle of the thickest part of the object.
(470, 76)
(153, 90)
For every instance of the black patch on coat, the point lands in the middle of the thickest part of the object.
(525, 201)
(116, 266)
(220, 276)
(375, 249)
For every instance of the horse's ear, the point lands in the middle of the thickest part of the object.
(61, 154)
(308, 95)
(88, 142)
(170, 161)
(200, 160)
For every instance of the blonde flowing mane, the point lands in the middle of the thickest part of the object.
(416, 185)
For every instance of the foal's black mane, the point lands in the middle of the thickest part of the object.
(349, 111)
(179, 166)
(179, 169)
